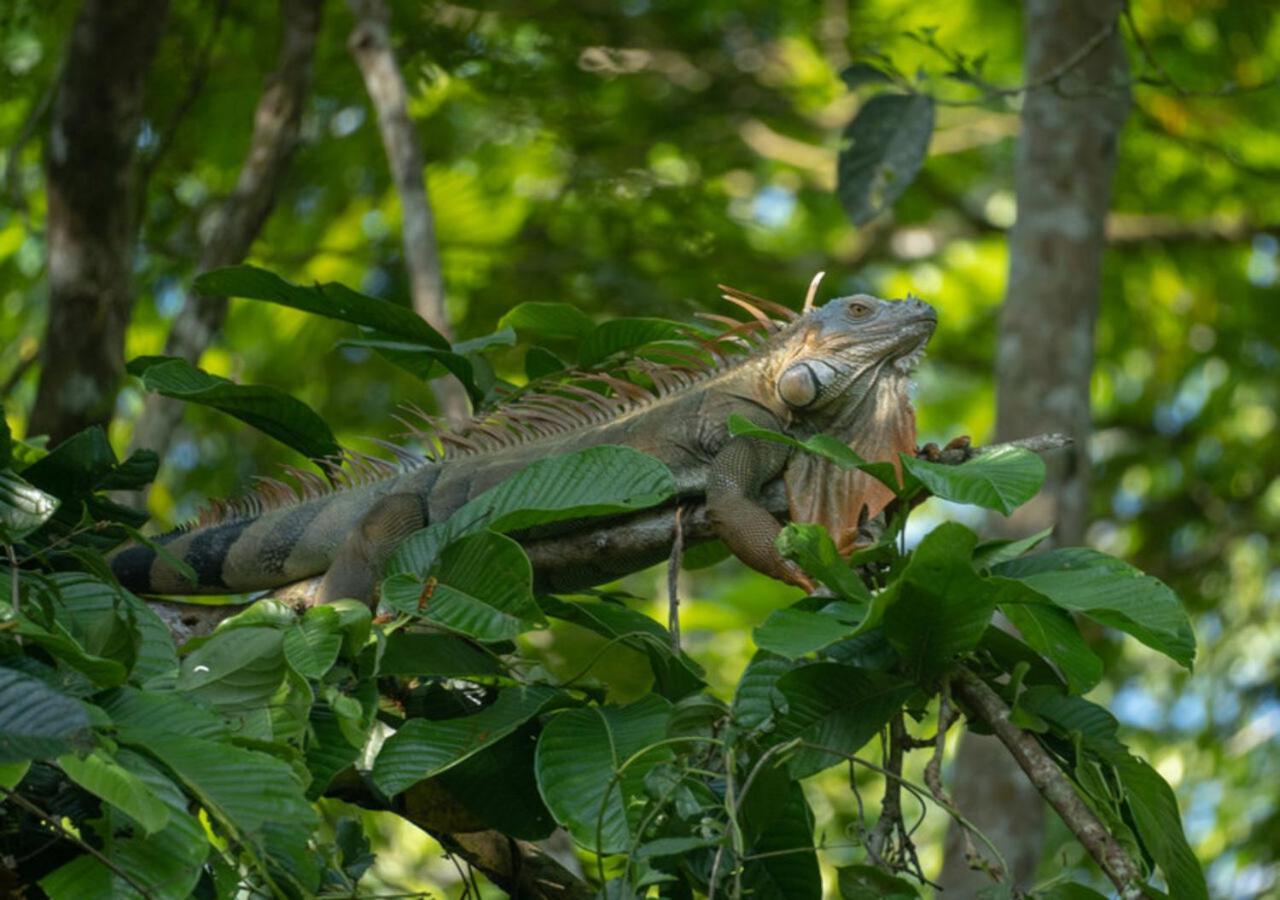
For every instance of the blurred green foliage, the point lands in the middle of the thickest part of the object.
(626, 157)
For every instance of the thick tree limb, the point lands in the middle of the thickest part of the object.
(1049, 780)
(370, 45)
(518, 867)
(607, 549)
(230, 230)
(91, 179)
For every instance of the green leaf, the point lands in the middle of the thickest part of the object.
(1155, 816)
(1052, 633)
(598, 481)
(422, 748)
(335, 301)
(540, 362)
(167, 712)
(580, 764)
(784, 866)
(434, 655)
(311, 647)
(940, 607)
(167, 863)
(757, 699)
(499, 787)
(23, 508)
(272, 412)
(482, 587)
(556, 321)
(243, 788)
(421, 360)
(794, 633)
(35, 720)
(1001, 479)
(837, 707)
(101, 775)
(824, 445)
(989, 554)
(675, 674)
(238, 670)
(1067, 891)
(811, 547)
(858, 74)
(328, 749)
(1112, 592)
(11, 774)
(870, 883)
(620, 335)
(885, 148)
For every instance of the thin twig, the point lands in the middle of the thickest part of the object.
(1049, 780)
(68, 835)
(673, 580)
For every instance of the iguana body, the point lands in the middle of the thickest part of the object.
(842, 369)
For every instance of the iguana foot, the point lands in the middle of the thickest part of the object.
(958, 450)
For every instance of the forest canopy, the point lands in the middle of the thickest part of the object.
(239, 236)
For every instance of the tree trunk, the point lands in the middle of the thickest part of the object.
(235, 223)
(91, 181)
(1077, 71)
(370, 46)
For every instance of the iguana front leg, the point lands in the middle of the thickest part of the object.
(357, 567)
(737, 473)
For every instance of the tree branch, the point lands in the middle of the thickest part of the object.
(606, 549)
(518, 867)
(1048, 779)
(232, 227)
(370, 45)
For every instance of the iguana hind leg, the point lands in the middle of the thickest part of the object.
(357, 566)
(737, 473)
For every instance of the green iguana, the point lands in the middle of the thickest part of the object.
(842, 368)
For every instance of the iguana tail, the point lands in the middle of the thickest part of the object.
(252, 552)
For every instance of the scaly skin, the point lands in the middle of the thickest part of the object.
(840, 369)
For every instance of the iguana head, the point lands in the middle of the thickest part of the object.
(847, 373)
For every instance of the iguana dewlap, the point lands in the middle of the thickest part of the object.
(842, 368)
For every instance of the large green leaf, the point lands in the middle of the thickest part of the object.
(397, 332)
(35, 720)
(335, 301)
(757, 700)
(885, 147)
(824, 445)
(169, 712)
(1001, 479)
(433, 655)
(328, 748)
(557, 321)
(498, 786)
(619, 335)
(167, 864)
(794, 633)
(481, 587)
(870, 883)
(1154, 809)
(311, 647)
(1109, 591)
(675, 674)
(580, 764)
(811, 547)
(422, 748)
(23, 507)
(597, 481)
(1053, 634)
(272, 412)
(100, 774)
(940, 606)
(238, 670)
(781, 864)
(244, 789)
(837, 707)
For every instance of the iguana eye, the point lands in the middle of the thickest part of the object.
(859, 309)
